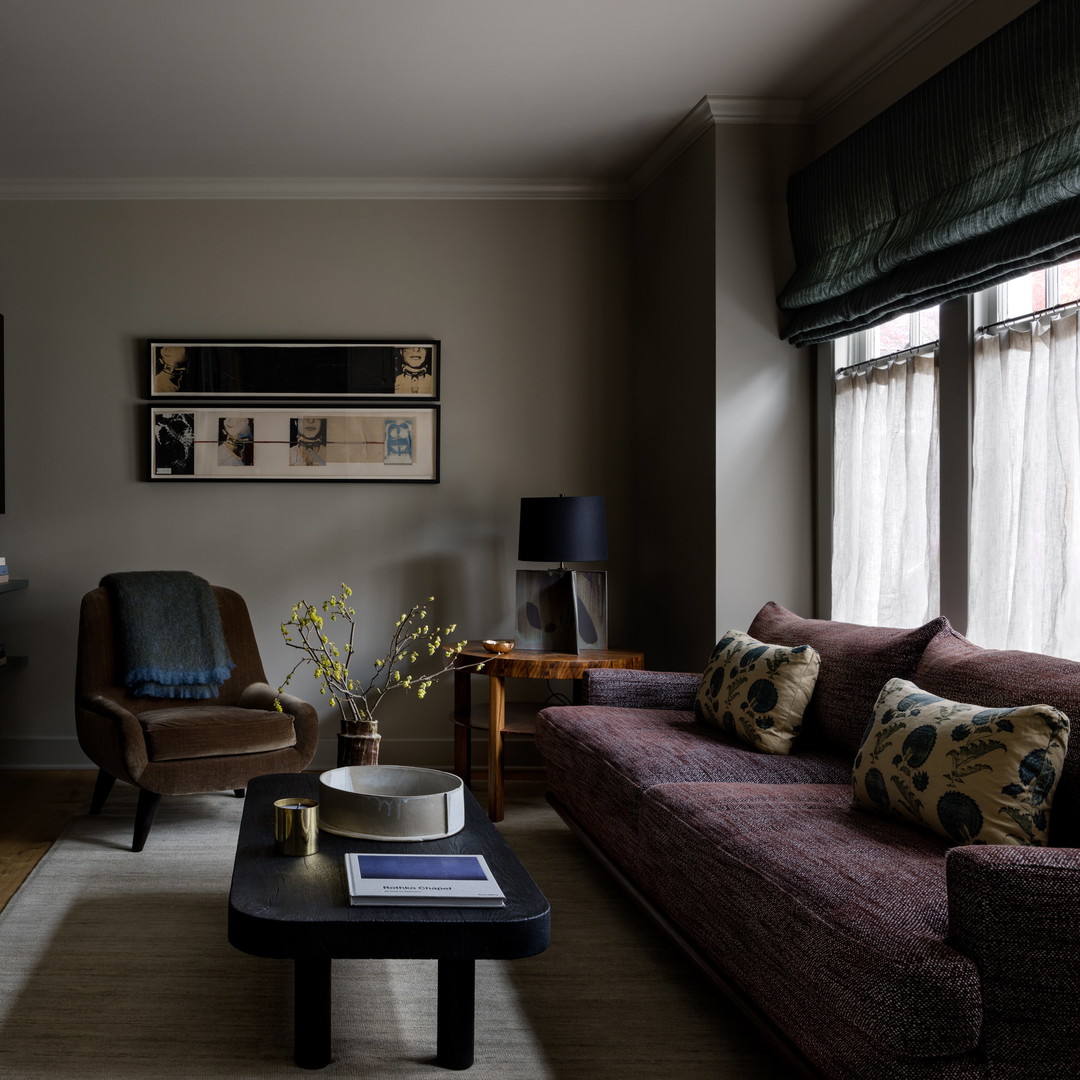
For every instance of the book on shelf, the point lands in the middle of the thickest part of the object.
(422, 880)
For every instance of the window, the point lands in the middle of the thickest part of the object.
(1019, 545)
(885, 475)
(1024, 563)
(1037, 291)
(902, 332)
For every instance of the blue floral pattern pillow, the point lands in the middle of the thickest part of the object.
(974, 775)
(757, 693)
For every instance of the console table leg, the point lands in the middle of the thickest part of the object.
(311, 1011)
(457, 1013)
(496, 724)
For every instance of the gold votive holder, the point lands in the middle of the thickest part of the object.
(296, 826)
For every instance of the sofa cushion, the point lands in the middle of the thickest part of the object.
(756, 692)
(202, 731)
(856, 662)
(972, 774)
(826, 917)
(956, 668)
(601, 760)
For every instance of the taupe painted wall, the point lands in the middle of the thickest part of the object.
(723, 450)
(672, 452)
(530, 300)
(764, 449)
(672, 395)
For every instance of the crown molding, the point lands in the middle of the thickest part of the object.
(710, 111)
(905, 35)
(307, 188)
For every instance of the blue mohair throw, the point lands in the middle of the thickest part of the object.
(169, 634)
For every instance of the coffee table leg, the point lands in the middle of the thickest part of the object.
(311, 1011)
(457, 995)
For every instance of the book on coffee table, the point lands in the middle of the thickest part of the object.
(422, 880)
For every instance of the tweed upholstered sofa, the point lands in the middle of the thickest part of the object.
(864, 946)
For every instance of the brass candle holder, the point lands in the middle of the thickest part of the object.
(296, 826)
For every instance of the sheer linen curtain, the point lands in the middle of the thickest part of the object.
(885, 518)
(1024, 566)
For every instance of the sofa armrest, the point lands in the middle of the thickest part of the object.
(633, 689)
(1016, 912)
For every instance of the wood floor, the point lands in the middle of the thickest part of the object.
(35, 805)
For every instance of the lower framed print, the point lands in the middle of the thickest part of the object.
(299, 442)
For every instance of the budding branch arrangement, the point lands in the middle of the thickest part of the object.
(355, 698)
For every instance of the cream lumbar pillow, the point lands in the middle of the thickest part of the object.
(757, 693)
(974, 775)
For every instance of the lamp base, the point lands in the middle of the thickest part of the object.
(562, 610)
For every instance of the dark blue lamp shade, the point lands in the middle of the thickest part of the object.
(564, 528)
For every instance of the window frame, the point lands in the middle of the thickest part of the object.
(956, 344)
(958, 320)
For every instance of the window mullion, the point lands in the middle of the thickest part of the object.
(955, 354)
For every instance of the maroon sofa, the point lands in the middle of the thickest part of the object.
(862, 946)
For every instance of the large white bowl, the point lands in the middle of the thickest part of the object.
(391, 802)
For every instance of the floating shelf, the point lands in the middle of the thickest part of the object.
(12, 586)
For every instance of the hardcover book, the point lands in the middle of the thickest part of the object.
(422, 880)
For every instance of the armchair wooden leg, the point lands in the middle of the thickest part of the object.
(144, 817)
(102, 786)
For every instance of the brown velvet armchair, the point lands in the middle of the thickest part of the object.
(167, 747)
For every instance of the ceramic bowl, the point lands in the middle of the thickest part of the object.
(391, 802)
(499, 645)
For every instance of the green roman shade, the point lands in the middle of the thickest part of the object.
(970, 179)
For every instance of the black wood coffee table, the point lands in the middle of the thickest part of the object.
(297, 908)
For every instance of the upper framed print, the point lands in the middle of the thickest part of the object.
(315, 369)
(395, 442)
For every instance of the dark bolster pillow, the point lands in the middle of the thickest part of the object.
(856, 662)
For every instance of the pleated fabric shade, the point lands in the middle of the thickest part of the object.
(971, 179)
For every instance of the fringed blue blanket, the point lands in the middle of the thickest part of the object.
(169, 634)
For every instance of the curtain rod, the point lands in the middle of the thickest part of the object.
(911, 350)
(1030, 315)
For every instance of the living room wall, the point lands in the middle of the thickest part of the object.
(722, 407)
(530, 301)
(672, 396)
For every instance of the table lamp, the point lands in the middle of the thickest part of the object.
(562, 610)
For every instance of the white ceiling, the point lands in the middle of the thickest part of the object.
(509, 89)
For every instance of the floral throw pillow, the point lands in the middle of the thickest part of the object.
(757, 693)
(974, 775)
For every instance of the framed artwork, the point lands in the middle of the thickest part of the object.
(314, 369)
(398, 441)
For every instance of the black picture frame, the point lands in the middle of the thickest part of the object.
(181, 368)
(395, 442)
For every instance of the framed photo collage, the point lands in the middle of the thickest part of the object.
(338, 410)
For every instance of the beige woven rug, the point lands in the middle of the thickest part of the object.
(115, 965)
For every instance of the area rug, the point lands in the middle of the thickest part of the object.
(116, 966)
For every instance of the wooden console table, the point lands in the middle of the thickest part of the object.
(499, 718)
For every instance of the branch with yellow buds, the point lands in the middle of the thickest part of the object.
(357, 698)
